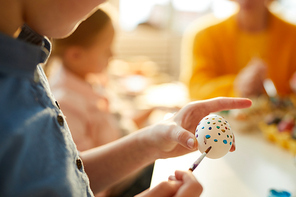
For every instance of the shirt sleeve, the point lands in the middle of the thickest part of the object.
(208, 79)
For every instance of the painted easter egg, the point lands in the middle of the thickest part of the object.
(213, 130)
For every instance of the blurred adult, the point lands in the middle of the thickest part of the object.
(233, 57)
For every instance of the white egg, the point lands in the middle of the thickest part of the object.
(213, 130)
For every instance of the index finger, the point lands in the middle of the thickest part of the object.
(221, 104)
(190, 115)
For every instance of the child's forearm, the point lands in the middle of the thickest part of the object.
(117, 160)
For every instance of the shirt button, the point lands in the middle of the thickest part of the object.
(79, 164)
(60, 120)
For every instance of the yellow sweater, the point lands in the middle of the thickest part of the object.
(216, 58)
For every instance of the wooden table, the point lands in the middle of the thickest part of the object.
(252, 170)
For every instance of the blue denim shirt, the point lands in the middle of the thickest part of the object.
(37, 154)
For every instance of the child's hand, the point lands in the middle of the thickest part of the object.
(184, 184)
(175, 137)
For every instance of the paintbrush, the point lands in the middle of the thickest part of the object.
(197, 162)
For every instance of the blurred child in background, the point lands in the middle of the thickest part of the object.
(79, 58)
(85, 52)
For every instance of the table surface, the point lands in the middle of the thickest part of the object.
(252, 170)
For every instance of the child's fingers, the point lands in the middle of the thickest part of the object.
(184, 138)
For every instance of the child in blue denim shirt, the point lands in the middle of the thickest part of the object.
(37, 154)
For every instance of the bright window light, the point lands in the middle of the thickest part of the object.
(133, 12)
(192, 5)
(223, 8)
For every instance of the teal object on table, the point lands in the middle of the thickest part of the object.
(274, 193)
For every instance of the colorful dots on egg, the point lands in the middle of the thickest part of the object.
(213, 130)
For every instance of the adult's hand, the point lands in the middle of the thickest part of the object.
(249, 82)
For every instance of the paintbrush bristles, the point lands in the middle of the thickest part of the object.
(208, 150)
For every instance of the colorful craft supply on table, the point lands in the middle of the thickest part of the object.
(281, 130)
(275, 193)
(214, 131)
